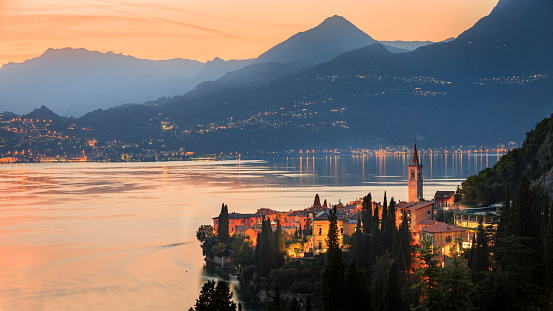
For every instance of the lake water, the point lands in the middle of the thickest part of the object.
(121, 236)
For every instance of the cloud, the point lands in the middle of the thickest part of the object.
(196, 27)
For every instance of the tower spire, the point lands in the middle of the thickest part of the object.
(415, 155)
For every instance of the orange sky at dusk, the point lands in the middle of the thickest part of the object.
(205, 29)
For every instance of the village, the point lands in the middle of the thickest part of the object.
(449, 224)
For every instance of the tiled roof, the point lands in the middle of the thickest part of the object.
(440, 227)
(427, 222)
(444, 195)
(413, 206)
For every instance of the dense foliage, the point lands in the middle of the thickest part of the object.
(534, 159)
(215, 296)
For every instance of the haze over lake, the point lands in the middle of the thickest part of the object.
(121, 236)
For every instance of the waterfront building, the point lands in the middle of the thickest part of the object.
(321, 225)
(446, 238)
(444, 199)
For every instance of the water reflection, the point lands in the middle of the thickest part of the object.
(96, 235)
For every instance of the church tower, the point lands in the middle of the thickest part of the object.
(415, 177)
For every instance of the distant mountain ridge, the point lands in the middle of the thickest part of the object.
(334, 36)
(76, 81)
(412, 45)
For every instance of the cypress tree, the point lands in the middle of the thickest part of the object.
(308, 306)
(215, 296)
(366, 213)
(384, 211)
(406, 241)
(270, 246)
(389, 226)
(279, 246)
(259, 249)
(518, 218)
(470, 261)
(333, 273)
(265, 249)
(358, 251)
(317, 201)
(375, 249)
(501, 227)
(223, 228)
(377, 303)
(392, 294)
(376, 218)
(356, 287)
(480, 258)
(392, 215)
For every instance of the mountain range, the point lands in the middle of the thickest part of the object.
(487, 86)
(76, 81)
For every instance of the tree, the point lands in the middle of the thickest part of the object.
(358, 249)
(333, 274)
(265, 250)
(384, 210)
(204, 232)
(219, 249)
(307, 229)
(223, 228)
(511, 285)
(215, 297)
(280, 248)
(457, 196)
(276, 303)
(366, 214)
(503, 220)
(389, 225)
(356, 288)
(392, 294)
(456, 285)
(308, 306)
(428, 272)
(402, 245)
(479, 254)
(317, 201)
(295, 305)
(377, 303)
(243, 253)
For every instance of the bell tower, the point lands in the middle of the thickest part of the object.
(415, 177)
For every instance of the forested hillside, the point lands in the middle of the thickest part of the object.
(534, 159)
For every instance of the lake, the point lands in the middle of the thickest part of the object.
(121, 236)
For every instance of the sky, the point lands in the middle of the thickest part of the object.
(205, 29)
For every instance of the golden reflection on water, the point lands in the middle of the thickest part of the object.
(121, 236)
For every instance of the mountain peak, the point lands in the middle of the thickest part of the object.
(337, 23)
(334, 36)
(43, 113)
(336, 19)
